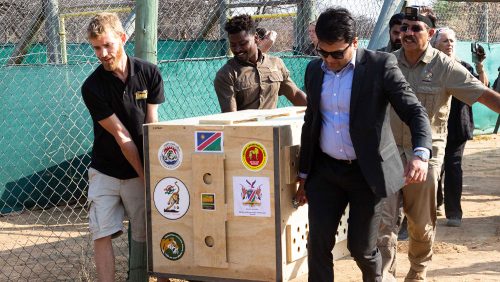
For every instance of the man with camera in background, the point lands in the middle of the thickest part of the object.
(460, 129)
(434, 77)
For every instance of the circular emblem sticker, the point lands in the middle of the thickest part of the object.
(170, 155)
(254, 156)
(172, 246)
(171, 198)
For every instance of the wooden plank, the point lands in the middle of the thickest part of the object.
(291, 163)
(294, 261)
(251, 251)
(296, 241)
(209, 210)
(250, 116)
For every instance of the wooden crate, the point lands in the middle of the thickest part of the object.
(219, 197)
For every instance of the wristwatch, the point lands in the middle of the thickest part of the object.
(422, 155)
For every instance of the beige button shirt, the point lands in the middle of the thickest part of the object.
(434, 78)
(243, 85)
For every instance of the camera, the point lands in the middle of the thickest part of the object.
(261, 32)
(477, 51)
(411, 13)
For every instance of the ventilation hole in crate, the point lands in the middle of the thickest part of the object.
(209, 241)
(207, 178)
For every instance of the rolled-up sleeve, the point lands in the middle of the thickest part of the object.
(287, 87)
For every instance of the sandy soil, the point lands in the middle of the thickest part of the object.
(32, 247)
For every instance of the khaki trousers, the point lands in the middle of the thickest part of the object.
(419, 205)
(392, 217)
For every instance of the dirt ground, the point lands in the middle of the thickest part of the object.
(470, 252)
(32, 247)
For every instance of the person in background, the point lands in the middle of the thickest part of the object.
(394, 34)
(460, 129)
(265, 39)
(311, 32)
(252, 79)
(348, 154)
(121, 95)
(434, 77)
(496, 84)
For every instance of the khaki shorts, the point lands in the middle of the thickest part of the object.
(109, 199)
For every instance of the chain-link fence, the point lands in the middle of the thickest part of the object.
(46, 132)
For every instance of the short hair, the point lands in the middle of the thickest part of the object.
(240, 23)
(439, 32)
(396, 19)
(103, 22)
(336, 24)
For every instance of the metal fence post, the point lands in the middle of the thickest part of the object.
(146, 25)
(51, 11)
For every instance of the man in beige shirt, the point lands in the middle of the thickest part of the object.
(252, 79)
(434, 77)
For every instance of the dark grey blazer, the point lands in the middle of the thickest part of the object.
(377, 82)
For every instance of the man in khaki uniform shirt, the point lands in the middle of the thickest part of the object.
(252, 79)
(434, 77)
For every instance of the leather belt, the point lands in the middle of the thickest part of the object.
(345, 162)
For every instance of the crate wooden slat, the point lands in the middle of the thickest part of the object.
(220, 244)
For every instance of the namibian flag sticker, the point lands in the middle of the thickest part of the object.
(209, 141)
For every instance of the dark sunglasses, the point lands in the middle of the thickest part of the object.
(414, 28)
(335, 54)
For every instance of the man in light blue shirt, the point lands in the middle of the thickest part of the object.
(335, 139)
(348, 154)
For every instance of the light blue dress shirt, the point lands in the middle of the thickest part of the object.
(335, 139)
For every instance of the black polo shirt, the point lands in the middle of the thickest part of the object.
(104, 94)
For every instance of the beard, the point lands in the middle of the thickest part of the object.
(112, 64)
(396, 45)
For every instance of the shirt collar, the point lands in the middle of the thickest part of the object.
(352, 63)
(132, 69)
(425, 58)
(260, 59)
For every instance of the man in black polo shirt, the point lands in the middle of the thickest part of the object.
(121, 95)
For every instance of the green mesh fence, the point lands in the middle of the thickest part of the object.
(46, 131)
(45, 158)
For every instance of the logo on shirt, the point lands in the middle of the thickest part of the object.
(254, 156)
(208, 141)
(171, 198)
(170, 155)
(139, 95)
(172, 246)
(427, 76)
